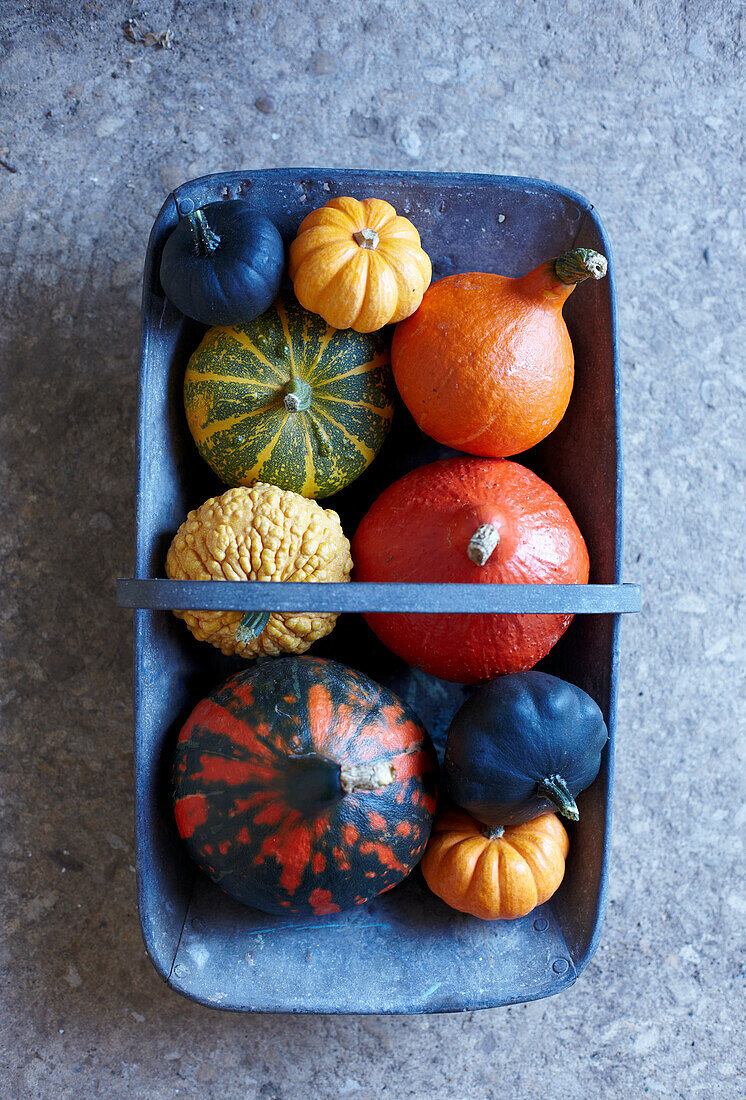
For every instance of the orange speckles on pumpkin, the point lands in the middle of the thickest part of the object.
(208, 848)
(320, 714)
(190, 812)
(321, 902)
(411, 765)
(240, 806)
(291, 847)
(244, 693)
(384, 855)
(268, 846)
(341, 857)
(271, 815)
(217, 769)
(332, 729)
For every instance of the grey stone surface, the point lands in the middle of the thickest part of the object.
(636, 104)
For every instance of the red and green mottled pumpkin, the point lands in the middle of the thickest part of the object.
(301, 786)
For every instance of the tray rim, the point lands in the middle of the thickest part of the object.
(171, 206)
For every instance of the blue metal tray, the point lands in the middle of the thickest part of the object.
(405, 951)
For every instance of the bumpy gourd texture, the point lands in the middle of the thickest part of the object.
(259, 534)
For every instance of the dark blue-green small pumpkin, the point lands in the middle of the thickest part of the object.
(222, 264)
(523, 745)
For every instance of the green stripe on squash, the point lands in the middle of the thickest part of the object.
(288, 400)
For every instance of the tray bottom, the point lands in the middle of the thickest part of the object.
(384, 957)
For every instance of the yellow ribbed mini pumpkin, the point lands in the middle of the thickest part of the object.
(260, 533)
(358, 264)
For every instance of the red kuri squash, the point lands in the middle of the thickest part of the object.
(478, 520)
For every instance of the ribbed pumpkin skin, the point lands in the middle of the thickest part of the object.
(234, 397)
(499, 879)
(419, 529)
(257, 797)
(356, 284)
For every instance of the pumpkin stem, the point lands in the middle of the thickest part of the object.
(205, 241)
(367, 238)
(579, 265)
(298, 395)
(492, 832)
(483, 543)
(366, 777)
(555, 790)
(251, 626)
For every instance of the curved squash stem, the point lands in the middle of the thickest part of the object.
(492, 832)
(366, 777)
(579, 265)
(251, 626)
(205, 241)
(554, 788)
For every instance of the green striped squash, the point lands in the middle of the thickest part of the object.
(286, 399)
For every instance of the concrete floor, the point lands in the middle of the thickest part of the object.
(633, 103)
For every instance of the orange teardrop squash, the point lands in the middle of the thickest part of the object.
(486, 365)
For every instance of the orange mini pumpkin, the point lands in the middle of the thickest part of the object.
(486, 365)
(358, 264)
(495, 873)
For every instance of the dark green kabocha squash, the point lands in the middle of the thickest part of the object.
(301, 786)
(523, 745)
(222, 264)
